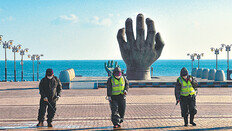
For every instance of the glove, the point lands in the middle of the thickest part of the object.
(125, 92)
(189, 78)
(45, 99)
(109, 99)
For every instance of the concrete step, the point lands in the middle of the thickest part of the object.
(83, 85)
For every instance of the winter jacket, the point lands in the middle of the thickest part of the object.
(50, 88)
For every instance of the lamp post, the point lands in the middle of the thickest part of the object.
(228, 50)
(6, 45)
(38, 58)
(15, 49)
(216, 52)
(33, 59)
(22, 52)
(192, 58)
(198, 58)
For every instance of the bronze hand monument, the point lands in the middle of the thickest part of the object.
(139, 53)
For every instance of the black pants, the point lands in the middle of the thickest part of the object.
(188, 105)
(42, 110)
(118, 107)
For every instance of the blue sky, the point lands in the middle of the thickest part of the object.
(87, 29)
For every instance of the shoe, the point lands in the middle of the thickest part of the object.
(40, 124)
(186, 125)
(194, 124)
(117, 126)
(50, 125)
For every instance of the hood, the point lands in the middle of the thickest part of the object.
(183, 72)
(117, 71)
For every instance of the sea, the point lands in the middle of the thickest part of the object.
(94, 68)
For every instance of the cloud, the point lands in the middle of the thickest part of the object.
(72, 18)
(101, 21)
(66, 19)
(9, 18)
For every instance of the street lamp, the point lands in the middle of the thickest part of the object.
(15, 49)
(198, 57)
(6, 45)
(22, 52)
(192, 58)
(33, 59)
(216, 52)
(38, 58)
(228, 50)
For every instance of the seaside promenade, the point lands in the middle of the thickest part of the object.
(81, 109)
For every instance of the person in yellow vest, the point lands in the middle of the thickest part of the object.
(117, 89)
(185, 92)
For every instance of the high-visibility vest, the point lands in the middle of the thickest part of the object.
(117, 85)
(186, 88)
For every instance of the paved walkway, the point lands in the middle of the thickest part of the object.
(147, 108)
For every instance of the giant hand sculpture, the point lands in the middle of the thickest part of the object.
(139, 54)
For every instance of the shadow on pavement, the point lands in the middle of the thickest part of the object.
(21, 127)
(108, 128)
(19, 89)
(208, 129)
(111, 128)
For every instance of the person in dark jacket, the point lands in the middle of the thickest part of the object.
(185, 92)
(50, 89)
(117, 89)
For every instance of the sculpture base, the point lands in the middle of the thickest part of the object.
(138, 74)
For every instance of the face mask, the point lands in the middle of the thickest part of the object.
(185, 77)
(50, 77)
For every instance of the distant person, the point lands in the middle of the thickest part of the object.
(117, 88)
(50, 89)
(185, 92)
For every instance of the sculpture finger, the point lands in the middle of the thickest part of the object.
(150, 32)
(121, 38)
(159, 44)
(111, 64)
(108, 64)
(140, 28)
(129, 30)
(105, 65)
(115, 64)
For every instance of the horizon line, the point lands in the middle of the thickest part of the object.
(107, 59)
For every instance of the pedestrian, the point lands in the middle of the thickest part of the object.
(185, 92)
(117, 89)
(50, 89)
